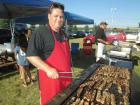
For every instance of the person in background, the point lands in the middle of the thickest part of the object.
(101, 40)
(29, 33)
(20, 54)
(49, 51)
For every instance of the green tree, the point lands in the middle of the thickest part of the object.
(95, 27)
(86, 28)
(75, 29)
(128, 28)
(4, 23)
(70, 28)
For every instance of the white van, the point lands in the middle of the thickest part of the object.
(138, 38)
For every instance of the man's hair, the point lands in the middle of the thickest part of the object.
(103, 23)
(55, 5)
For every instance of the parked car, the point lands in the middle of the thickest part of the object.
(138, 39)
(5, 35)
(80, 34)
(116, 36)
(133, 37)
(71, 34)
(111, 37)
(89, 33)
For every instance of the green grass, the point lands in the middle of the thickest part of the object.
(13, 93)
(136, 72)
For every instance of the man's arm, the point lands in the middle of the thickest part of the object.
(39, 63)
(102, 41)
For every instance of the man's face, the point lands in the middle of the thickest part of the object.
(103, 26)
(56, 18)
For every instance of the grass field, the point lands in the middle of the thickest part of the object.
(13, 93)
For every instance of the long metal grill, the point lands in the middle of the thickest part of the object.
(108, 85)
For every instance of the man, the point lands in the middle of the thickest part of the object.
(48, 50)
(101, 40)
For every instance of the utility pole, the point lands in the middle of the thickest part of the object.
(113, 11)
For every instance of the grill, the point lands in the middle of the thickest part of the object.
(99, 85)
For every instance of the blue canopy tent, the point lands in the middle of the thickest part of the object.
(38, 19)
(70, 19)
(21, 8)
(11, 9)
(74, 19)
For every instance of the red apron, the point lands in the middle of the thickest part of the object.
(59, 59)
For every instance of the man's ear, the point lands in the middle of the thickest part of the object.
(49, 16)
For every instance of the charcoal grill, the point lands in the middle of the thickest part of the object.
(71, 91)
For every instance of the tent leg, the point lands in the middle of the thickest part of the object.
(12, 28)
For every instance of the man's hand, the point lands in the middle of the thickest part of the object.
(52, 73)
(39, 63)
(103, 41)
(107, 43)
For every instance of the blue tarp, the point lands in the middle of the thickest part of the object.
(38, 19)
(41, 19)
(31, 3)
(21, 8)
(77, 19)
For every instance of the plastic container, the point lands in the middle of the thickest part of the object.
(128, 50)
(74, 48)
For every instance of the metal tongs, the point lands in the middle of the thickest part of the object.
(67, 76)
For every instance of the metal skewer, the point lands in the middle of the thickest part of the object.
(65, 72)
(68, 77)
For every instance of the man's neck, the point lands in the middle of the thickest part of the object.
(54, 29)
(101, 27)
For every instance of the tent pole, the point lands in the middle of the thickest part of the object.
(66, 25)
(12, 28)
(12, 25)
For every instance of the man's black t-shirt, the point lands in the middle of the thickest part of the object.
(42, 42)
(100, 34)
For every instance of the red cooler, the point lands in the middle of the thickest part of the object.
(87, 44)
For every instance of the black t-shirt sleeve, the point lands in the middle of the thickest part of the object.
(100, 34)
(35, 44)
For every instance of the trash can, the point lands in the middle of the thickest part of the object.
(74, 48)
